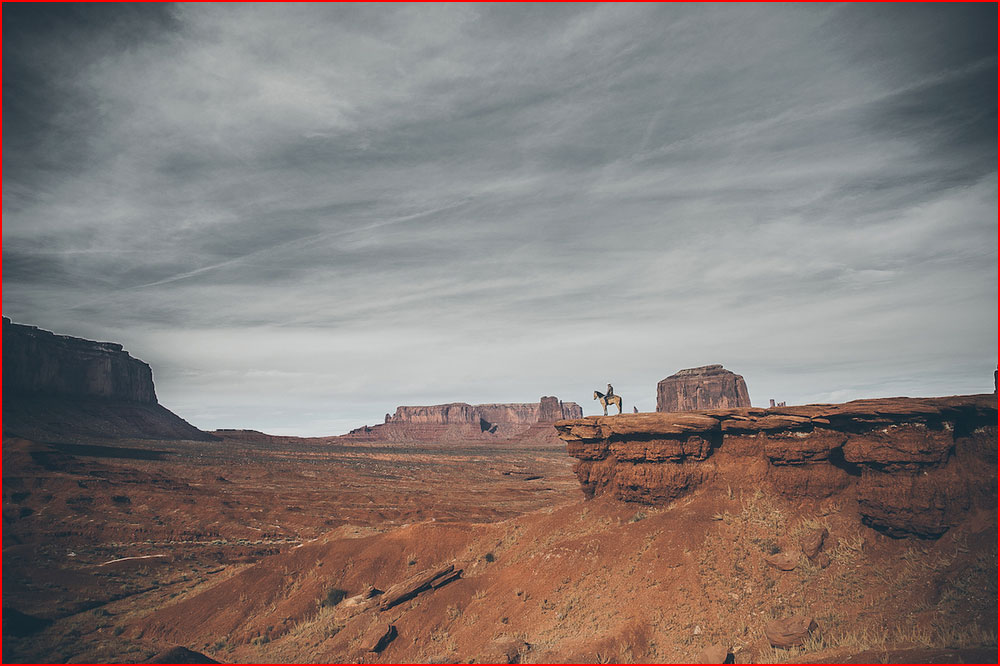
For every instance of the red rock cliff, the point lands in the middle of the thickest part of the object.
(548, 409)
(37, 361)
(707, 387)
(57, 387)
(916, 466)
(459, 421)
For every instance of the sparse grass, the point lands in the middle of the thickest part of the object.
(639, 515)
(877, 637)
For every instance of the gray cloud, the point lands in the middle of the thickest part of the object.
(303, 215)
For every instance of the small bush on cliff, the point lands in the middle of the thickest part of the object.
(489, 557)
(333, 597)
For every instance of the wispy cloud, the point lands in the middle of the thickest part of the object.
(302, 215)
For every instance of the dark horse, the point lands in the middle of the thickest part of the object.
(608, 400)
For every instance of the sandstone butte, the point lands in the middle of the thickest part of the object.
(526, 421)
(916, 466)
(705, 387)
(57, 385)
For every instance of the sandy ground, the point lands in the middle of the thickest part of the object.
(242, 550)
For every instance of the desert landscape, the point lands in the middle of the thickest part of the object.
(863, 531)
(488, 332)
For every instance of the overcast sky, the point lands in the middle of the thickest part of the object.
(304, 216)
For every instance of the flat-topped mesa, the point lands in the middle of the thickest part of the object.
(705, 387)
(916, 466)
(57, 386)
(38, 361)
(548, 410)
(526, 422)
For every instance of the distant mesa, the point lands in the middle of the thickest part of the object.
(548, 409)
(705, 387)
(56, 386)
(460, 420)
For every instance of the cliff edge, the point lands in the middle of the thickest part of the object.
(916, 466)
(461, 421)
(57, 386)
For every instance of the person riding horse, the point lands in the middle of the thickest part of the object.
(609, 399)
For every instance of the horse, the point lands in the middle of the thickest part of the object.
(608, 400)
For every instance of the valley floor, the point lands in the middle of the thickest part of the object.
(245, 551)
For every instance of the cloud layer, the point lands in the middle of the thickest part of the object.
(304, 215)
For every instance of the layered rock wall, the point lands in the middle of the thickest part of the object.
(706, 387)
(548, 409)
(916, 466)
(37, 361)
(459, 421)
(57, 388)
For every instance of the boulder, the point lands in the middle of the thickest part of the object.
(378, 636)
(790, 631)
(416, 584)
(783, 561)
(706, 387)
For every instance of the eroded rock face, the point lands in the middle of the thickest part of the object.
(37, 361)
(706, 387)
(547, 410)
(56, 386)
(461, 421)
(915, 465)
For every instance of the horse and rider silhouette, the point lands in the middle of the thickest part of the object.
(609, 398)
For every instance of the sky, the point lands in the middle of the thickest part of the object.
(302, 216)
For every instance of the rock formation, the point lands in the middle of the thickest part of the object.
(56, 386)
(37, 361)
(707, 387)
(548, 410)
(915, 465)
(462, 421)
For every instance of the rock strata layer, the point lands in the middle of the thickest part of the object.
(462, 421)
(917, 466)
(37, 361)
(548, 409)
(57, 387)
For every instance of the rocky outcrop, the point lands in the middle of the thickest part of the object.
(56, 386)
(915, 465)
(37, 361)
(789, 631)
(706, 387)
(462, 421)
(548, 409)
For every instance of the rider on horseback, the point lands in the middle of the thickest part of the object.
(611, 391)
